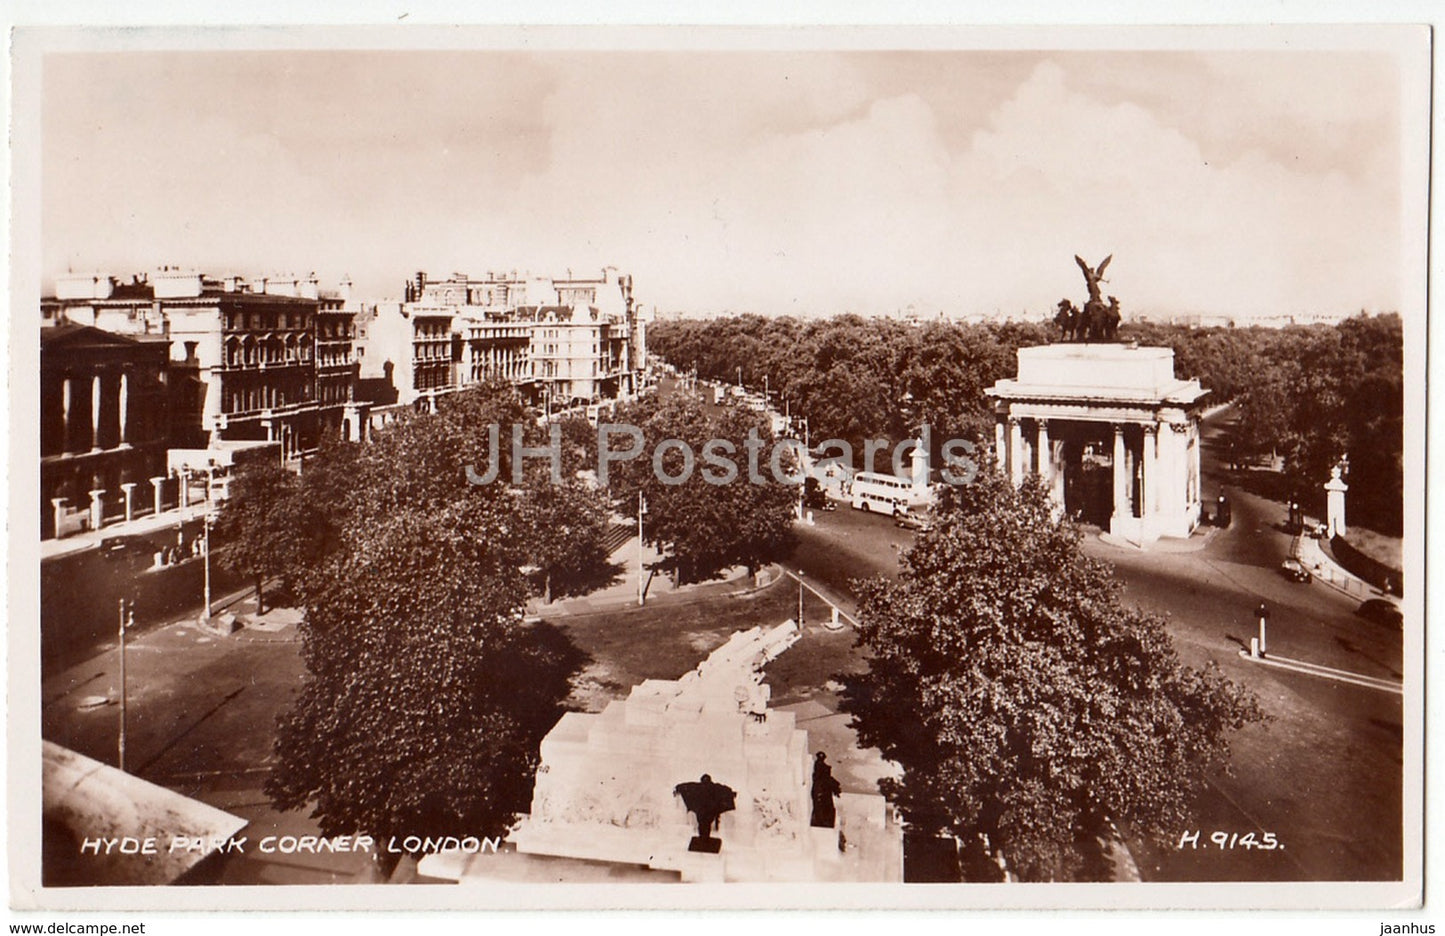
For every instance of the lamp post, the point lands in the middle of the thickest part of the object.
(127, 618)
(800, 600)
(641, 571)
(206, 539)
(1262, 613)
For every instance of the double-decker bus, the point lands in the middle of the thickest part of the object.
(881, 493)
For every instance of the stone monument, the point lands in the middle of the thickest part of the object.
(1335, 489)
(1110, 430)
(608, 787)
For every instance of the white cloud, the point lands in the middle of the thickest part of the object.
(782, 182)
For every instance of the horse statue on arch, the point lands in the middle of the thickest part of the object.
(1067, 319)
(1097, 320)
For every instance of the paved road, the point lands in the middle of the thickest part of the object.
(1324, 775)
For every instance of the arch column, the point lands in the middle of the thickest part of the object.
(1149, 482)
(1043, 455)
(1015, 450)
(1122, 507)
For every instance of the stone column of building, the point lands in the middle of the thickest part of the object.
(1122, 507)
(1015, 450)
(999, 452)
(95, 413)
(156, 486)
(124, 440)
(129, 489)
(66, 389)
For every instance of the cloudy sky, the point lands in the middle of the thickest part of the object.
(809, 182)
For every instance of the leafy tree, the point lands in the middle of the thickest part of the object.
(572, 519)
(705, 528)
(263, 529)
(1023, 701)
(426, 694)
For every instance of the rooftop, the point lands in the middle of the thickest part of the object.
(1098, 372)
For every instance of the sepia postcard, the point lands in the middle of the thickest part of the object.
(748, 467)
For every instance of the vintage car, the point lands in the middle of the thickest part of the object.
(1295, 570)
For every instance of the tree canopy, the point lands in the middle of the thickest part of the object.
(706, 526)
(1024, 702)
(264, 528)
(1310, 393)
(426, 692)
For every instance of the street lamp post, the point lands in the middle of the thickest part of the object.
(800, 599)
(641, 573)
(127, 618)
(1262, 613)
(206, 541)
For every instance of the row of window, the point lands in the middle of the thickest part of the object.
(254, 321)
(248, 352)
(267, 396)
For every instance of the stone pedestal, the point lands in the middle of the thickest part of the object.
(129, 489)
(97, 508)
(58, 506)
(156, 486)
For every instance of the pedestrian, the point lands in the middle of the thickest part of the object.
(825, 787)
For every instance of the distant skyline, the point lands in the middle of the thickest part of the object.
(791, 182)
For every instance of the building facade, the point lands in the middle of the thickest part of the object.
(1110, 430)
(267, 359)
(105, 403)
(561, 342)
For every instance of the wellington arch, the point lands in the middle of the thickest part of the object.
(1110, 430)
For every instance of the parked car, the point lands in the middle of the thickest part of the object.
(912, 521)
(118, 547)
(815, 498)
(1381, 611)
(1295, 570)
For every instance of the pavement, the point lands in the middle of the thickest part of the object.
(138, 526)
(1327, 571)
(622, 593)
(1195, 542)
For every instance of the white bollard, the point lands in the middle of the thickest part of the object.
(1254, 647)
